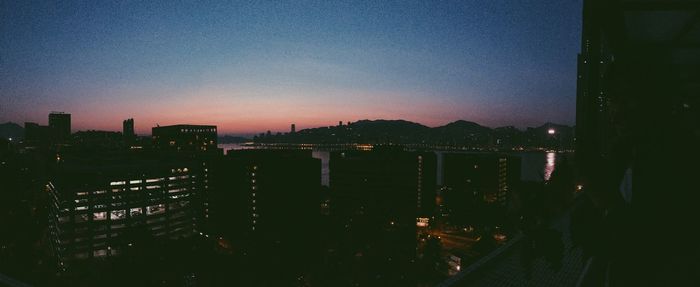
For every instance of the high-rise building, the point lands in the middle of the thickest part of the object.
(102, 204)
(185, 138)
(392, 187)
(128, 128)
(474, 183)
(380, 199)
(294, 128)
(60, 125)
(593, 131)
(266, 194)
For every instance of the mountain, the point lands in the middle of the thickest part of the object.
(462, 132)
(458, 133)
(11, 130)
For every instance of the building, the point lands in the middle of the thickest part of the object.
(266, 194)
(392, 186)
(60, 125)
(185, 138)
(268, 204)
(128, 128)
(294, 128)
(378, 202)
(104, 203)
(36, 135)
(474, 183)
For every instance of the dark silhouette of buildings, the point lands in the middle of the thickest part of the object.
(268, 204)
(185, 138)
(60, 125)
(128, 129)
(35, 134)
(293, 129)
(266, 194)
(389, 186)
(475, 183)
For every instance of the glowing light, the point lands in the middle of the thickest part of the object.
(549, 167)
(551, 131)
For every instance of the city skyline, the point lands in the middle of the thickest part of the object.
(250, 69)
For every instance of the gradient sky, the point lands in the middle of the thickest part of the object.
(250, 67)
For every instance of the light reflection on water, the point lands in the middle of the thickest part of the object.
(549, 167)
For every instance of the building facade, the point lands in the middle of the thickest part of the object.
(102, 205)
(60, 125)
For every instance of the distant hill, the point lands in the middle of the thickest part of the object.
(11, 130)
(461, 133)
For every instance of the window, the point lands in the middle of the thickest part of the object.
(136, 211)
(134, 181)
(99, 215)
(155, 209)
(117, 183)
(81, 218)
(99, 253)
(118, 214)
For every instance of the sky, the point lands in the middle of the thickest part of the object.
(252, 66)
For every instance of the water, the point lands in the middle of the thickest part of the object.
(538, 166)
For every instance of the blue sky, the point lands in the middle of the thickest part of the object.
(251, 66)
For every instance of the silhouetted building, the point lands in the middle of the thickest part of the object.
(60, 126)
(97, 140)
(128, 128)
(294, 128)
(475, 183)
(267, 194)
(378, 200)
(185, 138)
(102, 204)
(389, 186)
(35, 134)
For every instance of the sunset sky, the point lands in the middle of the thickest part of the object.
(251, 67)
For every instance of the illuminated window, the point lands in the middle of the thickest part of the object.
(154, 179)
(118, 214)
(117, 183)
(99, 253)
(99, 215)
(136, 211)
(134, 181)
(155, 209)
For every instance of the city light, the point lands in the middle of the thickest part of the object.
(551, 131)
